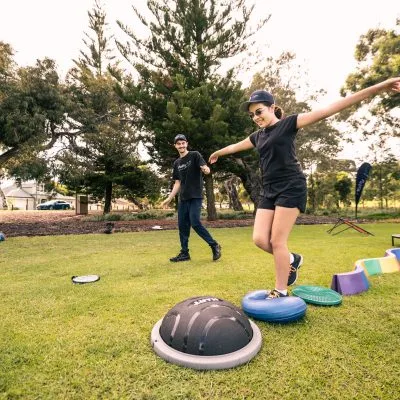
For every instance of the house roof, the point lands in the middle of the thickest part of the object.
(7, 189)
(18, 193)
(23, 193)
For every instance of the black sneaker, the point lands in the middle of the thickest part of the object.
(180, 257)
(216, 251)
(294, 268)
(275, 294)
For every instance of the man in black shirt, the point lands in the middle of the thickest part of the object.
(187, 174)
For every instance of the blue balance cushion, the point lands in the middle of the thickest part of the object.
(282, 310)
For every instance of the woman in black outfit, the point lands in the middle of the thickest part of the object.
(284, 191)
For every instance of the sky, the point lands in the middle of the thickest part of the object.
(323, 34)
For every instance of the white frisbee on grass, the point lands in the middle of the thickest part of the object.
(85, 279)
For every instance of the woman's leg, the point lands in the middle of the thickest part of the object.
(262, 229)
(282, 224)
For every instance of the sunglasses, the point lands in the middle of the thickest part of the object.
(257, 113)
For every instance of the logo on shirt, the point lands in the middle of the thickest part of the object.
(182, 167)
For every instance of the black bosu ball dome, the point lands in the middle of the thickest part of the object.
(206, 333)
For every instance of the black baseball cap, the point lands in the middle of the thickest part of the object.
(180, 137)
(259, 96)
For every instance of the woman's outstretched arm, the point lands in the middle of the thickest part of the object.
(232, 148)
(309, 118)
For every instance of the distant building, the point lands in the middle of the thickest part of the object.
(29, 195)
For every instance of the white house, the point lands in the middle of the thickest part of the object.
(29, 195)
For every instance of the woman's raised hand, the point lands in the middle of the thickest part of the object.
(213, 158)
(394, 84)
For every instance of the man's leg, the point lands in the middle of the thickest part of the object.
(184, 232)
(195, 212)
(184, 224)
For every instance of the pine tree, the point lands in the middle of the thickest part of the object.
(179, 89)
(107, 147)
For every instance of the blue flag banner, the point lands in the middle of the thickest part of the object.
(362, 175)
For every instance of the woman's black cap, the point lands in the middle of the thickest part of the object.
(259, 96)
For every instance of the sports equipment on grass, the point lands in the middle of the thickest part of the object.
(349, 225)
(206, 333)
(85, 279)
(281, 310)
(318, 295)
(395, 236)
(349, 283)
(356, 281)
(394, 252)
(381, 265)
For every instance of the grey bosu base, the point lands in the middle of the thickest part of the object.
(206, 333)
(224, 361)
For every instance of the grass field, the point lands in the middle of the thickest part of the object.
(64, 341)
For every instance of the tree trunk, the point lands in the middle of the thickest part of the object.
(137, 203)
(211, 210)
(233, 194)
(251, 181)
(107, 198)
(311, 193)
(3, 201)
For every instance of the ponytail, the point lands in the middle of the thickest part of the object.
(278, 112)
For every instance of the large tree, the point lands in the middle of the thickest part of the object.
(384, 181)
(33, 110)
(179, 89)
(105, 154)
(32, 107)
(378, 58)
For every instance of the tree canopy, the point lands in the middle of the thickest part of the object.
(105, 153)
(179, 89)
(378, 58)
(32, 107)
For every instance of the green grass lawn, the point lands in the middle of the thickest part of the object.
(64, 341)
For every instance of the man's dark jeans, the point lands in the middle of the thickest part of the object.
(189, 216)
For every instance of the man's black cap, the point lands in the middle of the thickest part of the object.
(180, 137)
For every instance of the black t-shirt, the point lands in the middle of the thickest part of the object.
(187, 171)
(276, 146)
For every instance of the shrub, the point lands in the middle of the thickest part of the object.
(235, 215)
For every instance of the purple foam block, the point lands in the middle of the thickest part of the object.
(349, 283)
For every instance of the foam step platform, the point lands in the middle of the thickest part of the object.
(281, 310)
(349, 283)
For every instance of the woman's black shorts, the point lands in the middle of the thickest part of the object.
(291, 194)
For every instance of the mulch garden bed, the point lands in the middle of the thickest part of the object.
(42, 223)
